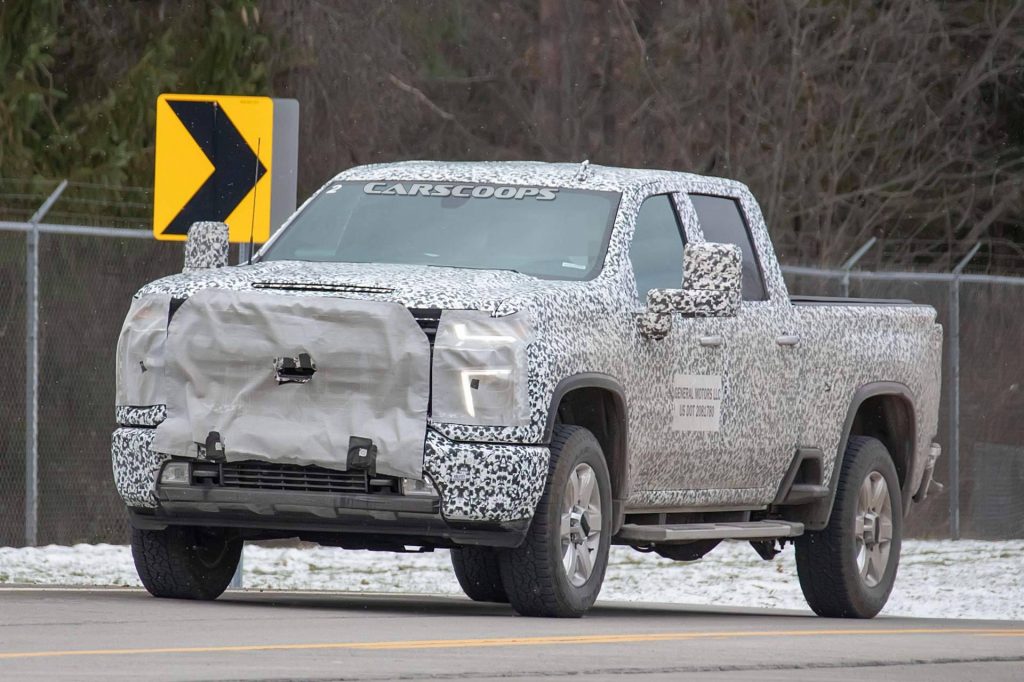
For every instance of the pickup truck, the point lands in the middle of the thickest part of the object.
(524, 363)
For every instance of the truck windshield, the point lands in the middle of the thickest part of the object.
(540, 231)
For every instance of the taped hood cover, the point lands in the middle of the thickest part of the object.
(414, 286)
(294, 379)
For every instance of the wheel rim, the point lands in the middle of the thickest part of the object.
(210, 549)
(581, 524)
(873, 531)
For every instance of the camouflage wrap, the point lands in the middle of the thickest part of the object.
(206, 247)
(774, 397)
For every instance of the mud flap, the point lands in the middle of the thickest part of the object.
(296, 379)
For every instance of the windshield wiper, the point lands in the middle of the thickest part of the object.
(470, 267)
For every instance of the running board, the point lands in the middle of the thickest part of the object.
(688, 532)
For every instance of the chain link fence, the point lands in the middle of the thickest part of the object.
(12, 388)
(989, 476)
(86, 282)
(86, 285)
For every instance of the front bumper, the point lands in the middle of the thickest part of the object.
(488, 493)
(372, 521)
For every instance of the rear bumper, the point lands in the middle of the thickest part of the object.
(487, 496)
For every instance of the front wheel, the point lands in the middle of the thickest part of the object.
(182, 562)
(847, 570)
(559, 568)
(479, 573)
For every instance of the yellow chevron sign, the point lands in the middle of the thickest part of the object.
(224, 158)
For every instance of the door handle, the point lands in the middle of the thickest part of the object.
(788, 339)
(711, 341)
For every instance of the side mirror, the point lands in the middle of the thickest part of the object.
(206, 246)
(712, 287)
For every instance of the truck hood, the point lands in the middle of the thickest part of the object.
(414, 286)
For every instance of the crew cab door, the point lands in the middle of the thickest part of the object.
(761, 358)
(665, 447)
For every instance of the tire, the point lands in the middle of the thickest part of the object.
(846, 573)
(182, 562)
(534, 576)
(479, 573)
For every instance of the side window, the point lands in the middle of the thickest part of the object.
(657, 248)
(722, 221)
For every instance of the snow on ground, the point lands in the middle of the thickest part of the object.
(965, 579)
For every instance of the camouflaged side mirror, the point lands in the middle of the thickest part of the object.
(206, 246)
(712, 287)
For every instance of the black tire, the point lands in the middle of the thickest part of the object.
(826, 560)
(533, 575)
(479, 573)
(182, 562)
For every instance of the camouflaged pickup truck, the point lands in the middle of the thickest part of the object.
(524, 363)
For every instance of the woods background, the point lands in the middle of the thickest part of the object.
(849, 119)
(901, 120)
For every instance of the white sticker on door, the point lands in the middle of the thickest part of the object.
(696, 402)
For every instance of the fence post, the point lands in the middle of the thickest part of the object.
(954, 393)
(32, 366)
(953, 349)
(853, 260)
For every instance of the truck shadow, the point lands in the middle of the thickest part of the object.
(441, 605)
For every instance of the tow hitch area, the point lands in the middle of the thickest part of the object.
(362, 454)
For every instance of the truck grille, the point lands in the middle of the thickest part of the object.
(312, 479)
(428, 319)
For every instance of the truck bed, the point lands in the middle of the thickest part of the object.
(840, 300)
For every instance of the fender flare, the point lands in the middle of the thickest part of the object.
(819, 513)
(586, 380)
(620, 454)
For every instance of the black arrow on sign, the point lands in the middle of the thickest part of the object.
(233, 163)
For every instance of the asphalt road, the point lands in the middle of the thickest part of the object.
(110, 634)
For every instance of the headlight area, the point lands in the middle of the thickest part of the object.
(140, 352)
(480, 369)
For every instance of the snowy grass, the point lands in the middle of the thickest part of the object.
(966, 579)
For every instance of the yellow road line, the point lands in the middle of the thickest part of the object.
(511, 641)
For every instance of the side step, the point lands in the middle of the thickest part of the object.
(687, 532)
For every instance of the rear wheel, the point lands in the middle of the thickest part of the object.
(479, 573)
(182, 562)
(559, 568)
(847, 570)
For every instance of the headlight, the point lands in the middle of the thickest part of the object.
(140, 352)
(480, 370)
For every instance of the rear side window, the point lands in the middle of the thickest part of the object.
(722, 221)
(657, 248)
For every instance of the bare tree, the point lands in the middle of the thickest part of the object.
(849, 120)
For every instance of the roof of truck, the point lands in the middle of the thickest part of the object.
(539, 173)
